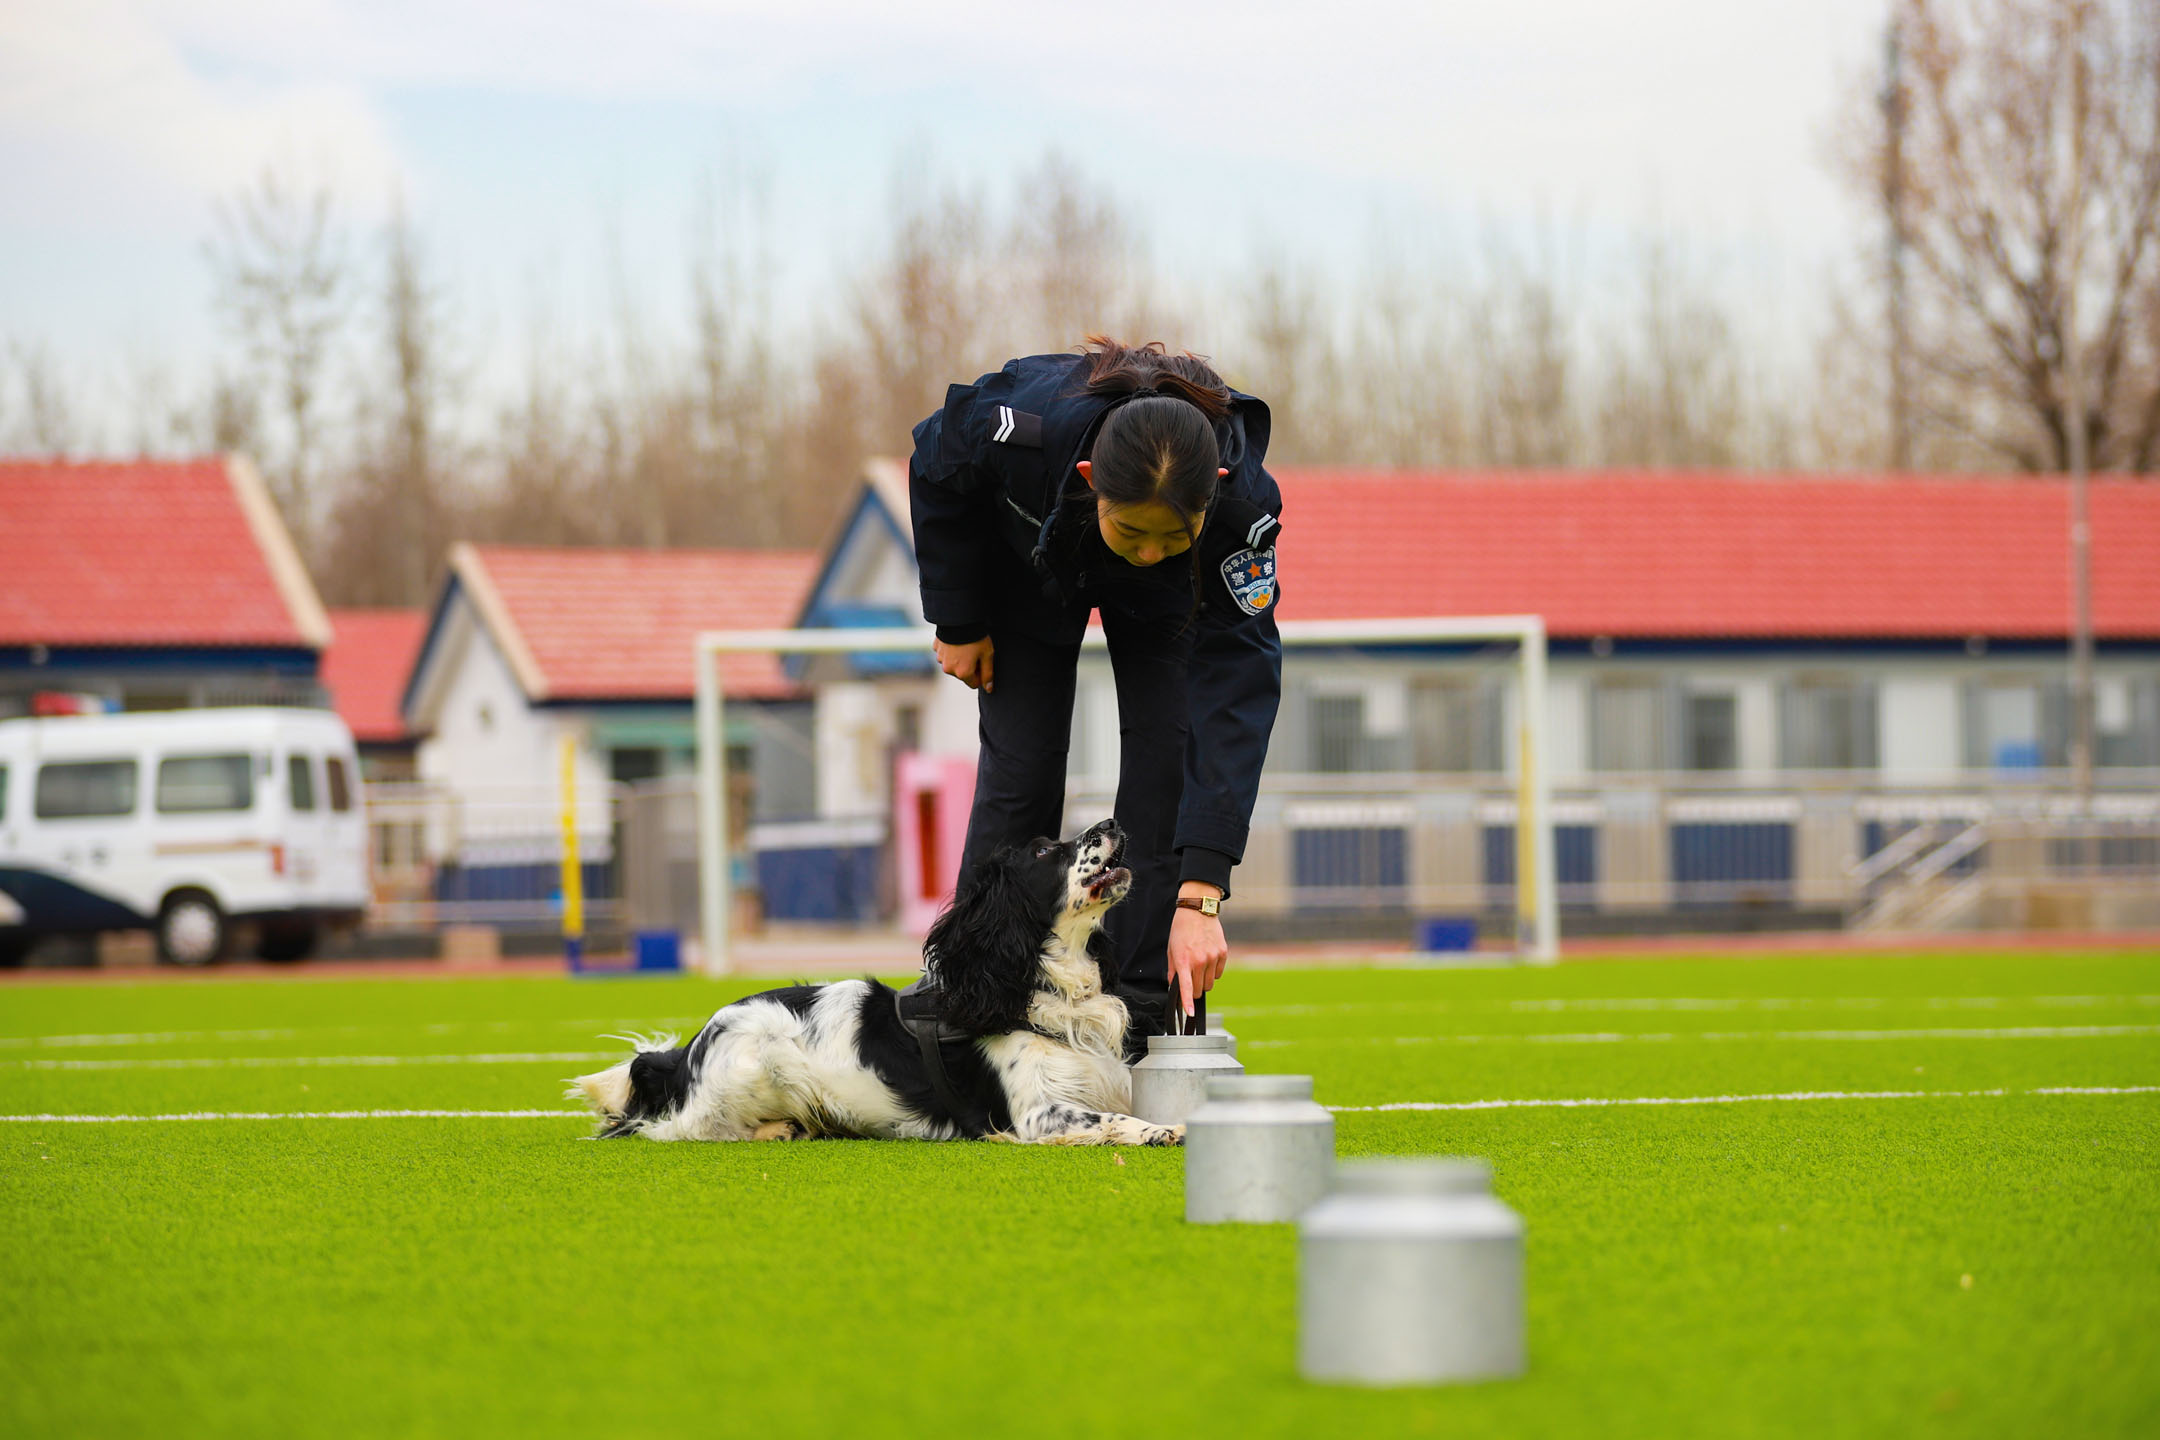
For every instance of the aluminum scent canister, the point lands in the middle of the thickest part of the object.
(1215, 1027)
(1410, 1272)
(1170, 1081)
(1259, 1150)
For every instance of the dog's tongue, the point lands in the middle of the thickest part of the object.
(1107, 879)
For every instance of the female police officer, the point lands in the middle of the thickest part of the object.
(1129, 481)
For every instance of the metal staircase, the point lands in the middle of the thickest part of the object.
(1918, 881)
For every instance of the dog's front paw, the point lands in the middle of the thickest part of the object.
(779, 1130)
(1166, 1135)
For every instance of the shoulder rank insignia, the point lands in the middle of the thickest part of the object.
(1017, 427)
(1250, 574)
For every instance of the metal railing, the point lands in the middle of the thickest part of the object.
(488, 855)
(1845, 847)
(1536, 910)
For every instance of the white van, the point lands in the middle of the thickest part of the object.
(184, 822)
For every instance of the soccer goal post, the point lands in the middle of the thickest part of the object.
(1537, 911)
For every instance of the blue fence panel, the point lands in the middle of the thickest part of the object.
(1574, 864)
(1351, 866)
(1724, 862)
(820, 882)
(532, 881)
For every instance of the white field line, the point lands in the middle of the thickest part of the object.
(1785, 1095)
(1710, 1003)
(1621, 1037)
(299, 1115)
(1596, 1037)
(439, 1027)
(1835, 1002)
(149, 1037)
(1788, 1096)
(283, 1062)
(1346, 1007)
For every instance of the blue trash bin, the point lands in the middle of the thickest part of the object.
(1447, 932)
(657, 950)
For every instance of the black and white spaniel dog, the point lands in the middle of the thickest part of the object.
(1033, 1048)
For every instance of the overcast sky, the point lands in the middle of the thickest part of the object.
(533, 137)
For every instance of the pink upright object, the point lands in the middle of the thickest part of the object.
(932, 795)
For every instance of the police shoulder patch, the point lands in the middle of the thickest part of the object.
(1250, 576)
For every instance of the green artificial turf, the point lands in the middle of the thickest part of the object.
(1788, 1267)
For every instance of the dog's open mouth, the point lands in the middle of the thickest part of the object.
(1110, 877)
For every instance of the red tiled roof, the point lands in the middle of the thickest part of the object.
(618, 624)
(1707, 555)
(136, 553)
(366, 666)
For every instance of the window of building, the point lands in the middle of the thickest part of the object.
(631, 763)
(300, 782)
(1711, 740)
(1627, 725)
(2126, 720)
(1828, 723)
(2016, 724)
(1338, 731)
(80, 789)
(1454, 725)
(784, 760)
(340, 784)
(205, 784)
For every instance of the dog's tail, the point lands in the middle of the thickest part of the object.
(649, 1086)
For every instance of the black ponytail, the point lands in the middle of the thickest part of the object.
(1160, 444)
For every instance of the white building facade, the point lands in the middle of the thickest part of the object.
(1749, 777)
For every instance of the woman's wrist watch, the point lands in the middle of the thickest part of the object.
(1208, 905)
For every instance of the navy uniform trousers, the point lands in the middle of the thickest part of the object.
(1026, 730)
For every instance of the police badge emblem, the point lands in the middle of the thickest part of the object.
(1250, 574)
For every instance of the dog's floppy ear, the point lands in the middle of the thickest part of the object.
(986, 947)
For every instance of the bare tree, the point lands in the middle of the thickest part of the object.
(731, 413)
(232, 416)
(1292, 361)
(745, 492)
(1673, 390)
(1071, 254)
(1524, 335)
(1399, 385)
(392, 524)
(2011, 158)
(279, 261)
(542, 490)
(48, 418)
(158, 420)
(922, 318)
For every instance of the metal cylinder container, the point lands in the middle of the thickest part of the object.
(1215, 1027)
(1410, 1272)
(1258, 1151)
(1170, 1082)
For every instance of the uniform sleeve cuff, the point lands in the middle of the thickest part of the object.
(966, 634)
(1210, 867)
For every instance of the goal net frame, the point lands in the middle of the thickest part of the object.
(1537, 909)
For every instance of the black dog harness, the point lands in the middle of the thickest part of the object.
(984, 1109)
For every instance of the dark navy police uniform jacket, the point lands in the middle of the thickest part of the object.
(997, 462)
